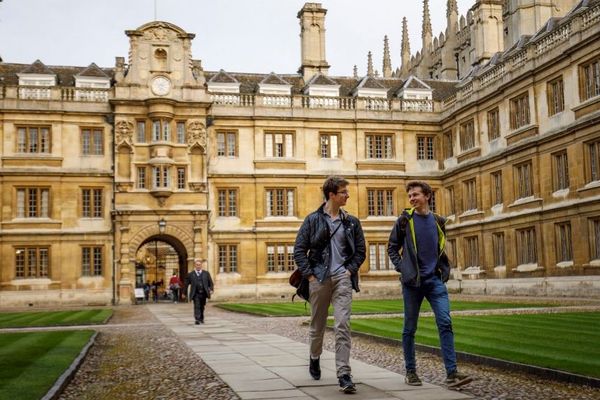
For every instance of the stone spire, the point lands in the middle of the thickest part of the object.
(387, 61)
(312, 40)
(449, 65)
(405, 52)
(452, 7)
(369, 64)
(426, 33)
(355, 71)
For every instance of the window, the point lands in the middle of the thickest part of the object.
(32, 139)
(92, 142)
(280, 202)
(180, 178)
(141, 178)
(432, 205)
(380, 146)
(181, 132)
(556, 96)
(450, 250)
(91, 261)
(493, 122)
(594, 161)
(329, 145)
(589, 80)
(91, 203)
(470, 195)
(496, 187)
(564, 246)
(560, 168)
(280, 257)
(161, 131)
(160, 176)
(380, 202)
(228, 202)
(141, 131)
(471, 251)
(33, 202)
(526, 247)
(226, 144)
(378, 257)
(279, 145)
(32, 262)
(228, 257)
(519, 111)
(467, 135)
(595, 239)
(448, 145)
(450, 200)
(425, 148)
(498, 245)
(524, 180)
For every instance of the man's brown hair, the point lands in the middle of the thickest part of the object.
(332, 184)
(425, 188)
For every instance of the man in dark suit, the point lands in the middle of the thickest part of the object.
(201, 288)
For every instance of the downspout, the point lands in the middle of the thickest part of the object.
(111, 119)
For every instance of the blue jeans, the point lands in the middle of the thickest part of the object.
(434, 290)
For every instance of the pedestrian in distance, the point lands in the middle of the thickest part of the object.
(200, 286)
(329, 250)
(416, 248)
(174, 286)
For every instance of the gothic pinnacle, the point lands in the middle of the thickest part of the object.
(387, 61)
(369, 64)
(426, 19)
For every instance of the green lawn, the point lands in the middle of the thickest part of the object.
(363, 307)
(564, 341)
(31, 362)
(53, 318)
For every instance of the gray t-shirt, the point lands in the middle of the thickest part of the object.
(339, 245)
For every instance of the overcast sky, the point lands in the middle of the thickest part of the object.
(235, 35)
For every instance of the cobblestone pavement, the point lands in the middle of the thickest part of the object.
(136, 357)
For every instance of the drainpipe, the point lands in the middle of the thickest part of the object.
(111, 120)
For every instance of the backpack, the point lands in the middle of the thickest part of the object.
(301, 285)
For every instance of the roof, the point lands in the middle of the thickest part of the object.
(274, 79)
(37, 67)
(93, 71)
(65, 75)
(222, 77)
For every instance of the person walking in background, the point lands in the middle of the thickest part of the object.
(174, 286)
(201, 287)
(329, 250)
(416, 248)
(154, 290)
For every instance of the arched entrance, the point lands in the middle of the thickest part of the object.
(156, 260)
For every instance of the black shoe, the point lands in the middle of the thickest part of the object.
(346, 384)
(315, 369)
(456, 379)
(197, 322)
(201, 321)
(412, 379)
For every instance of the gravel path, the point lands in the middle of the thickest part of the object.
(131, 362)
(136, 357)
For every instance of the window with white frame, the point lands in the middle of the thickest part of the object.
(280, 257)
(380, 146)
(32, 262)
(33, 202)
(181, 132)
(33, 139)
(380, 202)
(329, 145)
(141, 131)
(279, 144)
(161, 176)
(141, 178)
(161, 130)
(378, 257)
(181, 178)
(280, 202)
(227, 144)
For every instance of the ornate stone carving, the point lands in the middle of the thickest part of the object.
(123, 132)
(196, 134)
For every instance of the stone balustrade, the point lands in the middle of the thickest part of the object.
(550, 40)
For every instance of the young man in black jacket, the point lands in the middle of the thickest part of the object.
(416, 248)
(329, 249)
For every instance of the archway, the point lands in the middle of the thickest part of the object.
(157, 258)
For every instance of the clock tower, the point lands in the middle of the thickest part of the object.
(160, 146)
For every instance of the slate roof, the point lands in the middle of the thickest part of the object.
(37, 67)
(223, 77)
(274, 79)
(64, 75)
(93, 71)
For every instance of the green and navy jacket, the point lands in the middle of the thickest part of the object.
(402, 249)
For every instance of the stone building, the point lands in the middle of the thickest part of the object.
(112, 177)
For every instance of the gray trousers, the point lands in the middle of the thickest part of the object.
(335, 290)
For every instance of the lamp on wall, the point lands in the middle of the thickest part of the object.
(162, 225)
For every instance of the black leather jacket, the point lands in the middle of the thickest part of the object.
(312, 249)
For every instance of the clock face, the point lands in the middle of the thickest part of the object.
(161, 86)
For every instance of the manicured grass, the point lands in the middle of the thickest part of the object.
(362, 307)
(563, 341)
(31, 362)
(53, 318)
